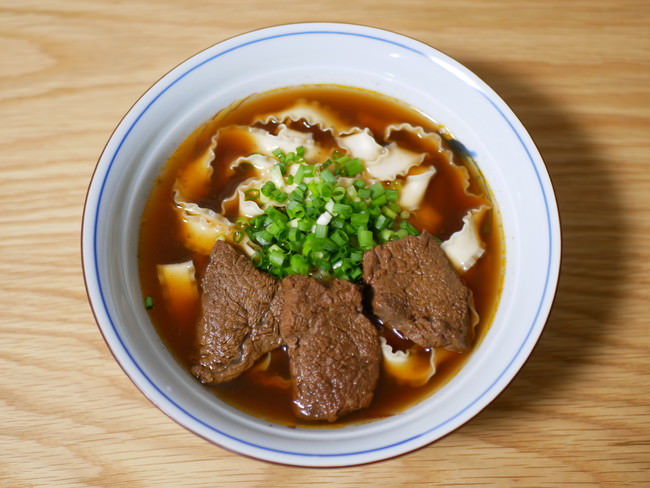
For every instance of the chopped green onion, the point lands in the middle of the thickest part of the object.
(300, 175)
(339, 237)
(359, 184)
(386, 235)
(376, 190)
(380, 200)
(148, 302)
(364, 193)
(293, 235)
(306, 224)
(389, 212)
(295, 209)
(268, 189)
(392, 195)
(381, 222)
(320, 231)
(365, 239)
(353, 167)
(276, 258)
(251, 194)
(263, 238)
(409, 228)
(275, 229)
(342, 209)
(327, 176)
(399, 234)
(338, 193)
(324, 224)
(299, 264)
(360, 220)
(241, 223)
(276, 216)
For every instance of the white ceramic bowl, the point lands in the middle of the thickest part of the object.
(305, 54)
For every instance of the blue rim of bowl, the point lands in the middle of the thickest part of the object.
(551, 270)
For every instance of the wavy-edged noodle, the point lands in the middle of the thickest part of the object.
(285, 139)
(195, 177)
(383, 163)
(247, 246)
(475, 318)
(405, 367)
(414, 188)
(313, 113)
(464, 247)
(431, 138)
(256, 373)
(179, 287)
(263, 163)
(360, 143)
(247, 208)
(200, 227)
(252, 208)
(434, 140)
(393, 162)
(273, 381)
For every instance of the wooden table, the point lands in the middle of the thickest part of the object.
(576, 73)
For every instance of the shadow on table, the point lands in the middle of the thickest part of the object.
(592, 270)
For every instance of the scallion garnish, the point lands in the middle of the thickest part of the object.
(353, 167)
(315, 223)
(251, 194)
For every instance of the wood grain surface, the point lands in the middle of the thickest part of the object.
(576, 73)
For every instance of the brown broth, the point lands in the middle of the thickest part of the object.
(267, 393)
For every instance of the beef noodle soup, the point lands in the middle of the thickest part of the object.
(379, 178)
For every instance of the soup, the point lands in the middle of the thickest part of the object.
(200, 181)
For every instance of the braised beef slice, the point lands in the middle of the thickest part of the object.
(238, 316)
(334, 352)
(416, 291)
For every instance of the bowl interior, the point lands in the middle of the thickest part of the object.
(320, 54)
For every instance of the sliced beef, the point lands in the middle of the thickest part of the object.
(416, 291)
(238, 316)
(334, 352)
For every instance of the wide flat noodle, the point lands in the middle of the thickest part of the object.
(261, 162)
(414, 188)
(394, 161)
(432, 140)
(258, 374)
(313, 113)
(247, 208)
(180, 289)
(285, 139)
(360, 143)
(405, 367)
(194, 179)
(464, 247)
(383, 163)
(200, 227)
